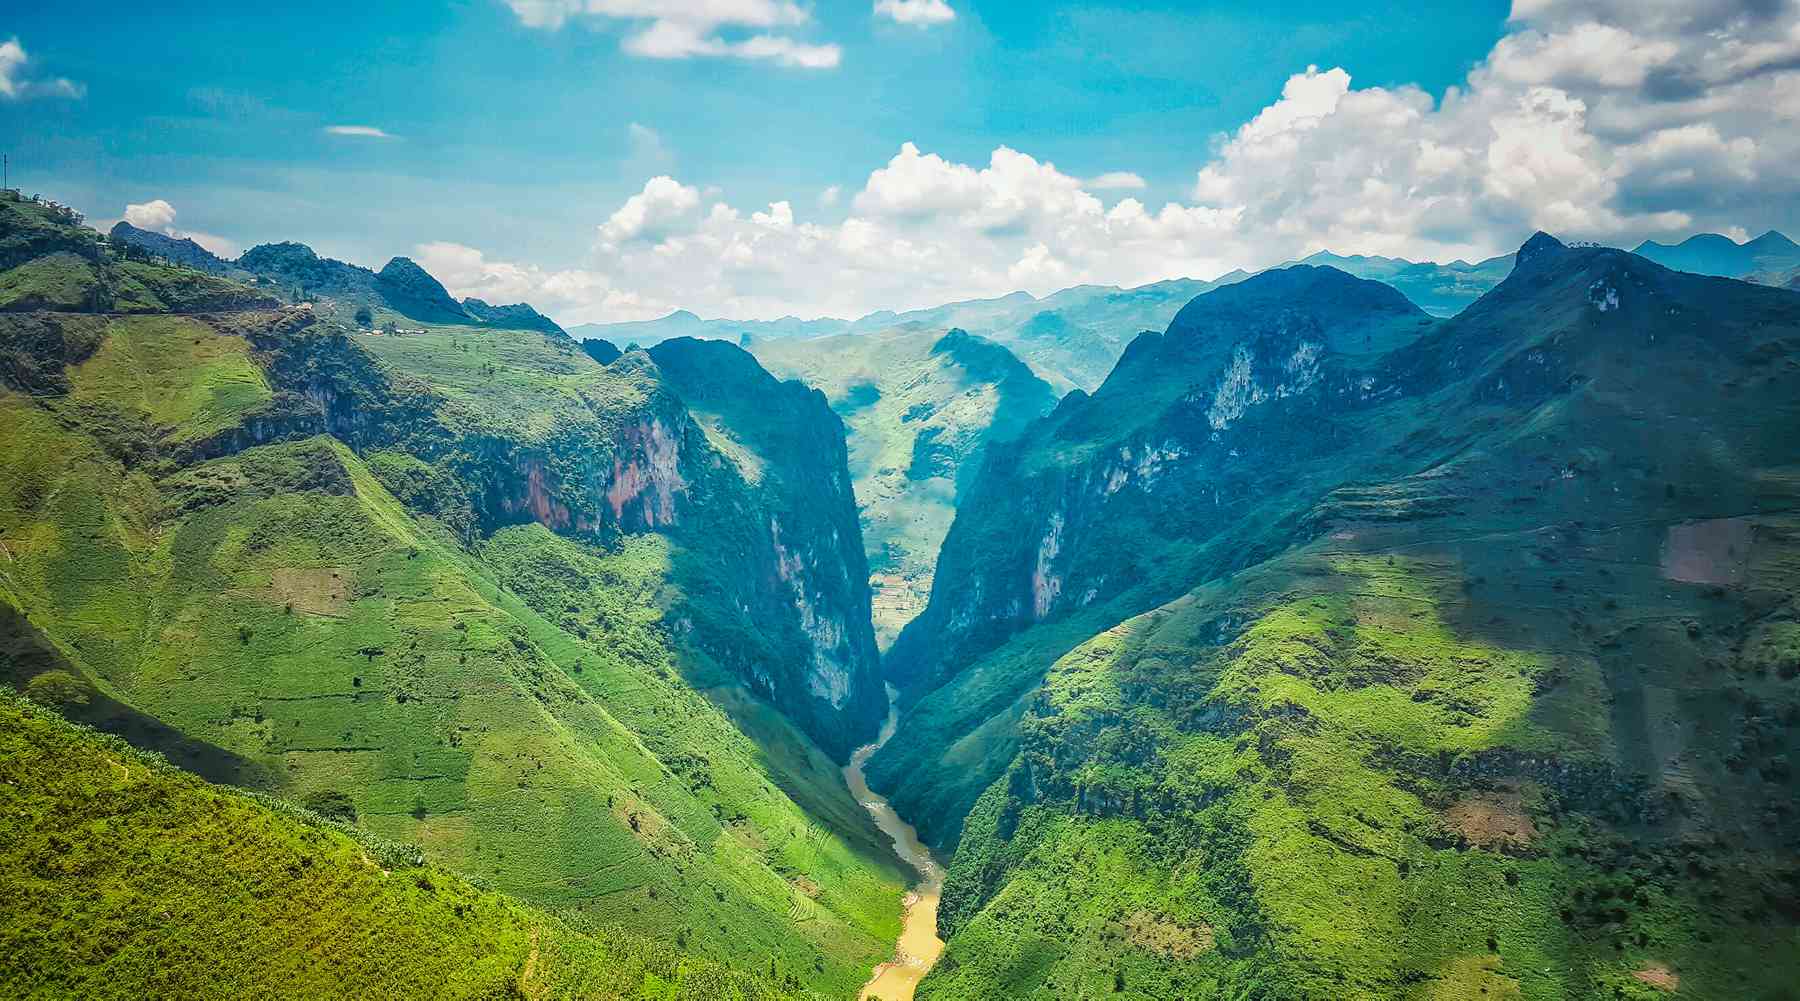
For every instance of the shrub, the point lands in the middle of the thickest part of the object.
(59, 689)
(332, 805)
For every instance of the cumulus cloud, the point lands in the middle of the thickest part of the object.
(158, 216)
(662, 30)
(917, 12)
(357, 131)
(661, 210)
(1117, 180)
(16, 85)
(1609, 120)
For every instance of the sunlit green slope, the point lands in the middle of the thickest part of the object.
(1482, 680)
(466, 587)
(127, 878)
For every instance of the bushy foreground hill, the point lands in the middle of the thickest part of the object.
(128, 878)
(921, 407)
(1329, 650)
(551, 621)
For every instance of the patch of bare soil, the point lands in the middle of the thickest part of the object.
(805, 885)
(1659, 976)
(1495, 820)
(313, 591)
(1166, 937)
(1708, 552)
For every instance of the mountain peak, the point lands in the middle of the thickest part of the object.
(1540, 244)
(1774, 240)
(413, 291)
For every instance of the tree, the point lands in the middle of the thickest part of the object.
(59, 689)
(332, 804)
(364, 318)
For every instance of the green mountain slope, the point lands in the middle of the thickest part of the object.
(921, 408)
(126, 878)
(1441, 659)
(474, 586)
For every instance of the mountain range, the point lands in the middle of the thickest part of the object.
(1770, 259)
(1276, 637)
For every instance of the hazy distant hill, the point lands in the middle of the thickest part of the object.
(1071, 338)
(1438, 289)
(1769, 256)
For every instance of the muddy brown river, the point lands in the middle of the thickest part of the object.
(919, 944)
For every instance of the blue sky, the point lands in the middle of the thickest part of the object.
(517, 130)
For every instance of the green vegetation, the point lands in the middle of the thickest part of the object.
(1439, 660)
(49, 261)
(468, 589)
(128, 878)
(921, 408)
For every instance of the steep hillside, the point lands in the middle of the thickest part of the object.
(1770, 254)
(1446, 659)
(530, 612)
(1137, 474)
(921, 408)
(127, 878)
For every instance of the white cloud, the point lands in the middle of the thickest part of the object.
(357, 131)
(830, 196)
(919, 12)
(158, 216)
(15, 86)
(664, 30)
(1594, 119)
(1116, 180)
(662, 209)
(467, 273)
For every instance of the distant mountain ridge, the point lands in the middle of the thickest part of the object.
(1071, 337)
(1768, 259)
(296, 273)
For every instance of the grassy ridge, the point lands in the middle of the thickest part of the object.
(127, 878)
